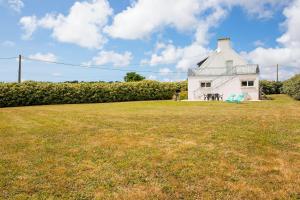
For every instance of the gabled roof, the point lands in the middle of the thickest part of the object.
(223, 61)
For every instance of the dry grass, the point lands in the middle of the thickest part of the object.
(151, 150)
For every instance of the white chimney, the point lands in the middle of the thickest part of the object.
(224, 43)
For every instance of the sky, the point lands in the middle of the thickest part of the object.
(101, 40)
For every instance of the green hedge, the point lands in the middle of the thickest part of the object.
(42, 93)
(292, 87)
(270, 87)
(183, 85)
(184, 95)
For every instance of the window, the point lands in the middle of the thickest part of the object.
(244, 83)
(250, 83)
(229, 66)
(205, 84)
(247, 83)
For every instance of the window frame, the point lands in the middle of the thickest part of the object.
(207, 84)
(247, 83)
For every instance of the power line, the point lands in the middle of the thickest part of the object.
(131, 64)
(101, 67)
(8, 58)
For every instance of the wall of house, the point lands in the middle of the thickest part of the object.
(224, 85)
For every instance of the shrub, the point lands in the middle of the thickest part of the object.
(183, 95)
(292, 87)
(270, 87)
(43, 93)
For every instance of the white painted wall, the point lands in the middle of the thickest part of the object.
(225, 85)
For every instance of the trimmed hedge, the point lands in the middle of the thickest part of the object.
(292, 87)
(43, 93)
(270, 87)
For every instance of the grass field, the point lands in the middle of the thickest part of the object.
(151, 150)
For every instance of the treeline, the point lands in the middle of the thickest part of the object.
(43, 93)
(290, 87)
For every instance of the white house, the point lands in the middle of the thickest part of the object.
(222, 73)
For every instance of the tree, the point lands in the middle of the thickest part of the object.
(270, 87)
(292, 87)
(133, 76)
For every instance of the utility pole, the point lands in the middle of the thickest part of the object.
(20, 69)
(277, 73)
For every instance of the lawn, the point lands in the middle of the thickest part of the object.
(151, 150)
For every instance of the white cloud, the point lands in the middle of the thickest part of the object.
(184, 58)
(287, 53)
(166, 54)
(16, 5)
(86, 19)
(8, 43)
(291, 38)
(111, 57)
(215, 11)
(262, 9)
(272, 56)
(146, 16)
(46, 57)
(192, 55)
(29, 25)
(161, 45)
(268, 58)
(187, 57)
(138, 21)
(164, 71)
(82, 26)
(143, 17)
(198, 50)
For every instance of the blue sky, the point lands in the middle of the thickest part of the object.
(161, 39)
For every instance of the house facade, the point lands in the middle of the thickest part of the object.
(223, 73)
